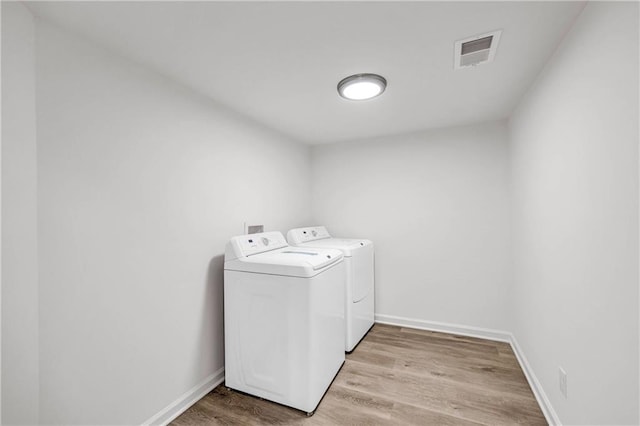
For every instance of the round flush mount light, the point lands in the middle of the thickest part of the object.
(359, 87)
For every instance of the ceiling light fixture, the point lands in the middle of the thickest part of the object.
(359, 87)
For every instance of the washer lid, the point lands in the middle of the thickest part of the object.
(346, 245)
(287, 261)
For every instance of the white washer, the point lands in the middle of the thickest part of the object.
(359, 289)
(283, 319)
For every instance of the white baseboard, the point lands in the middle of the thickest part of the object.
(186, 400)
(543, 401)
(461, 330)
(489, 334)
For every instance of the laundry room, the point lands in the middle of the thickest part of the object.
(309, 212)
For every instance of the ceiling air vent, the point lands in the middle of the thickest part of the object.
(476, 50)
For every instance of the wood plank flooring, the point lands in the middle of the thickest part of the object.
(399, 376)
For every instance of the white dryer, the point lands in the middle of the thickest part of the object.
(359, 289)
(283, 319)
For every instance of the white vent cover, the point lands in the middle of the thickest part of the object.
(476, 50)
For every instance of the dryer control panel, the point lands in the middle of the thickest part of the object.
(304, 235)
(248, 245)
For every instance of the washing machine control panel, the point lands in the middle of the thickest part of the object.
(259, 243)
(304, 235)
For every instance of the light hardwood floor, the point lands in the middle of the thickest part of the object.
(399, 376)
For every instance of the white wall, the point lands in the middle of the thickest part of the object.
(135, 203)
(141, 184)
(19, 254)
(575, 193)
(436, 206)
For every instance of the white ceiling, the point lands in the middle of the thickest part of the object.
(280, 62)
